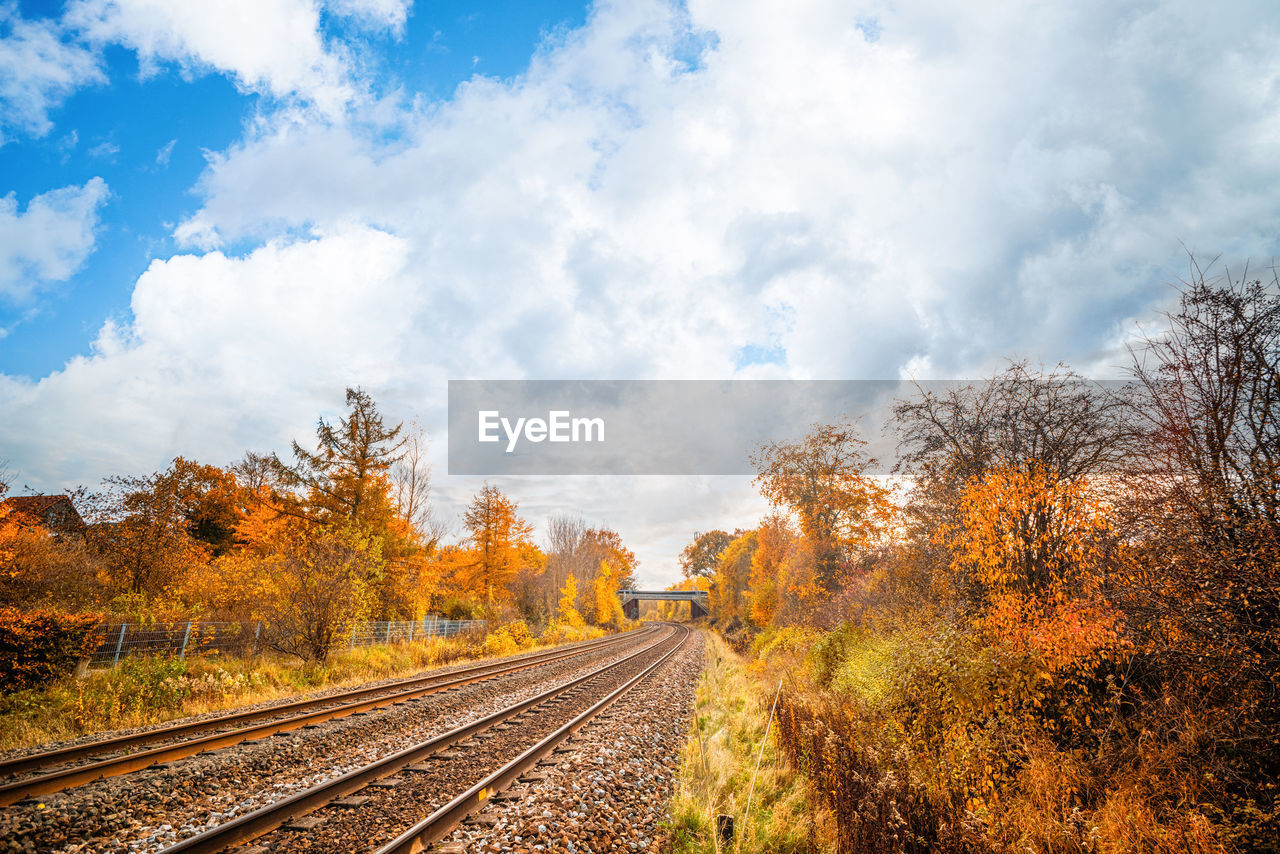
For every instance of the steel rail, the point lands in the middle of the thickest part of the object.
(265, 819)
(66, 778)
(15, 765)
(436, 826)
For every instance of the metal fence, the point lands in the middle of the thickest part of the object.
(122, 640)
(404, 631)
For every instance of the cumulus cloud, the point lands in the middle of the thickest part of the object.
(956, 189)
(49, 240)
(223, 353)
(39, 68)
(269, 46)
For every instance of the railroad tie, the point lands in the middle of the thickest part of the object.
(306, 822)
(353, 802)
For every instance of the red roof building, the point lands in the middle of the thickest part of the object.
(55, 512)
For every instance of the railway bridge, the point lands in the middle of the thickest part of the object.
(697, 599)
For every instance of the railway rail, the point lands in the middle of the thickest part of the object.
(79, 764)
(443, 778)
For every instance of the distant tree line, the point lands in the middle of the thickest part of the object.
(342, 531)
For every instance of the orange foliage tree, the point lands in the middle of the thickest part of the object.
(1034, 552)
(822, 480)
(700, 556)
(568, 609)
(499, 545)
(607, 610)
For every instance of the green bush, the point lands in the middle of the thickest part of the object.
(37, 647)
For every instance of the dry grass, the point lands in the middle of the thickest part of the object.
(145, 691)
(718, 765)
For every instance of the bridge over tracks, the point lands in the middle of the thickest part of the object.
(697, 599)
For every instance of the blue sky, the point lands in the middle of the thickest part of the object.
(215, 216)
(146, 135)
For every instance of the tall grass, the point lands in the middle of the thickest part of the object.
(144, 691)
(718, 764)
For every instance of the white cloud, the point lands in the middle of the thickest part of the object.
(50, 239)
(165, 152)
(222, 354)
(377, 14)
(964, 188)
(38, 70)
(269, 46)
(105, 149)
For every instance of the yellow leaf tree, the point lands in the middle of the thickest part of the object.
(569, 603)
(733, 571)
(608, 607)
(774, 541)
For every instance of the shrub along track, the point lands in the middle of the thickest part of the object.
(65, 767)
(156, 806)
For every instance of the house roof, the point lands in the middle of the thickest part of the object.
(32, 504)
(40, 507)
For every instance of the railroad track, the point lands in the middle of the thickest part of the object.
(443, 778)
(79, 764)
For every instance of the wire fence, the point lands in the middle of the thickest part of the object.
(117, 641)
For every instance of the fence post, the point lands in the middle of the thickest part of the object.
(182, 656)
(411, 623)
(353, 637)
(119, 644)
(256, 633)
(388, 640)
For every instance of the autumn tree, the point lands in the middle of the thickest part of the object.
(499, 543)
(209, 500)
(143, 531)
(1203, 590)
(42, 567)
(9, 531)
(565, 556)
(313, 586)
(1036, 552)
(568, 607)
(733, 573)
(366, 474)
(606, 606)
(8, 523)
(700, 556)
(601, 546)
(823, 480)
(575, 548)
(347, 477)
(1052, 418)
(774, 541)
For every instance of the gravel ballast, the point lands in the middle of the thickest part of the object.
(608, 791)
